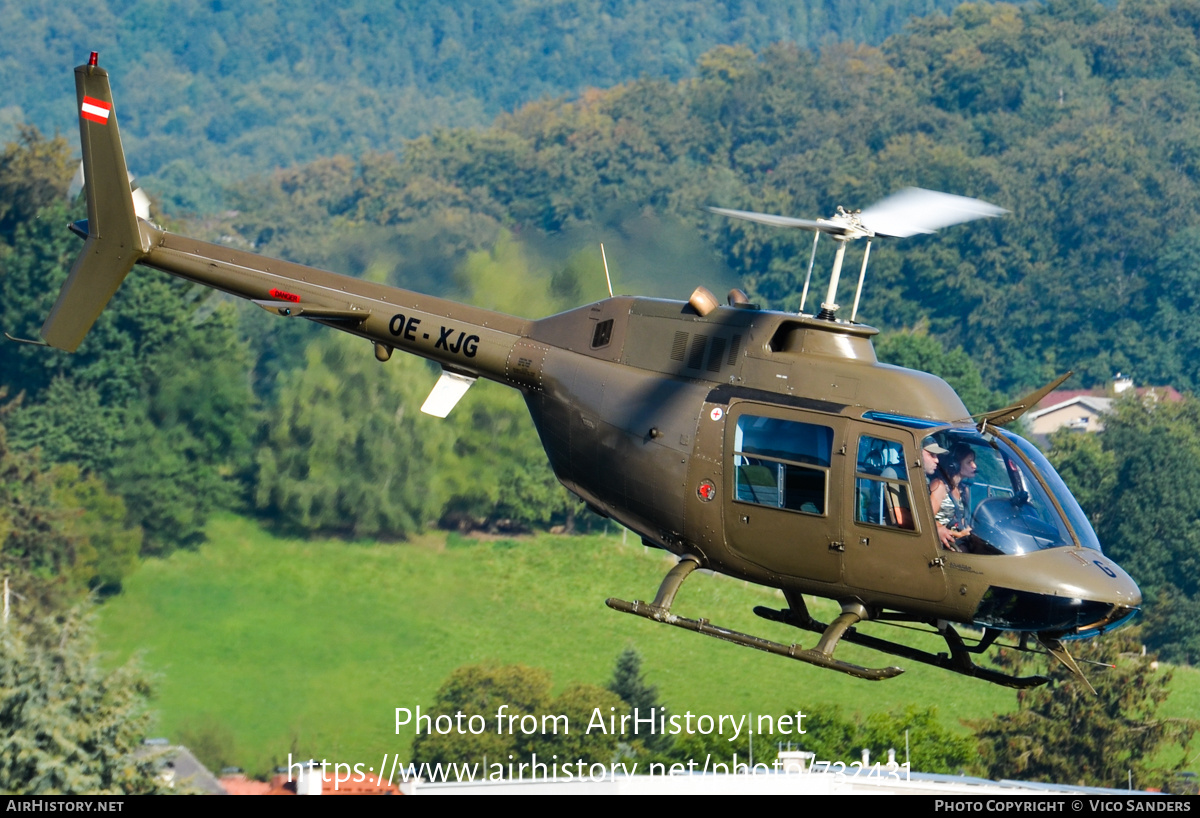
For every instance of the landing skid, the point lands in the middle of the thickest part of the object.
(821, 655)
(958, 660)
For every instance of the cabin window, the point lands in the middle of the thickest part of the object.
(881, 492)
(602, 334)
(782, 463)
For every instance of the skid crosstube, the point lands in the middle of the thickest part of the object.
(957, 661)
(813, 657)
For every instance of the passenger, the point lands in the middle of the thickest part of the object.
(899, 514)
(963, 457)
(950, 498)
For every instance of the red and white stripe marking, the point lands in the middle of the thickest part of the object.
(96, 110)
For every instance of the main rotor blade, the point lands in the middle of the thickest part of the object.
(915, 210)
(782, 221)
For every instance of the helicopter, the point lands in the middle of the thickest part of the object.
(767, 446)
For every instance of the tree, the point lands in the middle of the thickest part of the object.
(107, 550)
(629, 683)
(931, 747)
(1172, 623)
(831, 736)
(581, 703)
(67, 726)
(34, 172)
(1088, 468)
(1064, 733)
(1136, 482)
(481, 690)
(531, 722)
(347, 449)
(46, 531)
(157, 400)
(496, 472)
(33, 542)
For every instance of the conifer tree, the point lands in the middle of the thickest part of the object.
(629, 683)
(66, 725)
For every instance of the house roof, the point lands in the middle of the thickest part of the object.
(1064, 396)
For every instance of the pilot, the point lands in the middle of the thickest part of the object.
(950, 498)
(938, 492)
(929, 455)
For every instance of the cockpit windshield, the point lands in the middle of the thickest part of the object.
(999, 495)
(1070, 506)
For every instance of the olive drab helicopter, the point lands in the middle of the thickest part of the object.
(768, 446)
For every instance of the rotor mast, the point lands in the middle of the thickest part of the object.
(829, 306)
(851, 229)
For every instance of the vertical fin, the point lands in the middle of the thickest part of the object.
(115, 241)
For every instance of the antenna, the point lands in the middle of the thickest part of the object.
(607, 277)
(862, 274)
(811, 259)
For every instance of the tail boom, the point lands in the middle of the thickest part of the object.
(460, 337)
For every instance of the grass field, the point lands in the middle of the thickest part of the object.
(308, 647)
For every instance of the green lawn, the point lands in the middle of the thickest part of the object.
(308, 647)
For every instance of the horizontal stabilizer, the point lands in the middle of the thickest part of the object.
(447, 392)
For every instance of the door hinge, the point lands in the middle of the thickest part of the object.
(837, 546)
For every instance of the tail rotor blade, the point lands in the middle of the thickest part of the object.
(141, 203)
